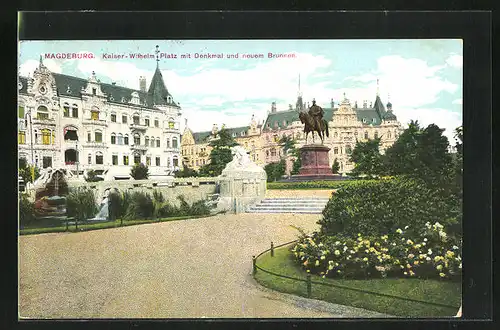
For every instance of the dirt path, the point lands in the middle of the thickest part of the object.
(192, 268)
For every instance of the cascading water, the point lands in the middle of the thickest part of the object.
(103, 214)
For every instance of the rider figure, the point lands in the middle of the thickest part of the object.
(316, 112)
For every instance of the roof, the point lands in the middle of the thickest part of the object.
(72, 86)
(201, 137)
(372, 115)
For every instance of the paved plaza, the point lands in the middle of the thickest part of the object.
(180, 269)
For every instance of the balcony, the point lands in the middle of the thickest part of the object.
(171, 130)
(48, 121)
(174, 150)
(139, 147)
(138, 127)
(95, 122)
(95, 145)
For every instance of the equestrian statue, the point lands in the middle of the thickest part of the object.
(313, 122)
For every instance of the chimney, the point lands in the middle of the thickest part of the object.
(273, 107)
(332, 104)
(142, 83)
(113, 83)
(371, 104)
(290, 107)
(365, 104)
(356, 104)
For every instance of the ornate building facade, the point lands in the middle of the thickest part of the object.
(70, 122)
(347, 124)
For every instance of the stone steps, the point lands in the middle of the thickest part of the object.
(311, 205)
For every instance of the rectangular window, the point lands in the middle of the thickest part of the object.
(171, 124)
(148, 161)
(89, 137)
(125, 160)
(136, 120)
(176, 162)
(90, 159)
(146, 122)
(335, 151)
(157, 124)
(157, 143)
(47, 162)
(146, 141)
(137, 140)
(94, 115)
(119, 140)
(94, 91)
(75, 112)
(113, 139)
(114, 159)
(21, 138)
(168, 143)
(137, 159)
(98, 137)
(174, 143)
(125, 140)
(157, 161)
(42, 115)
(20, 112)
(66, 111)
(152, 143)
(113, 118)
(124, 119)
(99, 159)
(45, 136)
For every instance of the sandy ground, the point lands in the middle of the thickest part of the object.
(180, 269)
(298, 193)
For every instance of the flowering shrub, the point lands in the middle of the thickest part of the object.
(430, 254)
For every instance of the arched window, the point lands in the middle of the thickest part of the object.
(389, 135)
(176, 161)
(171, 123)
(42, 112)
(70, 133)
(66, 110)
(74, 111)
(113, 138)
(158, 142)
(94, 113)
(99, 159)
(146, 141)
(168, 143)
(273, 152)
(152, 141)
(70, 156)
(335, 151)
(376, 134)
(174, 143)
(125, 140)
(98, 136)
(119, 140)
(45, 136)
(348, 150)
(298, 136)
(89, 158)
(137, 139)
(366, 135)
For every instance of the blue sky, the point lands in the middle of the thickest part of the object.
(423, 78)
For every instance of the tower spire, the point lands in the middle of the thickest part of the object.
(157, 52)
(41, 60)
(378, 88)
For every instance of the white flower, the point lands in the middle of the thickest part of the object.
(322, 257)
(455, 247)
(425, 239)
(429, 251)
(428, 259)
(320, 244)
(406, 227)
(460, 266)
(424, 244)
(393, 244)
(337, 243)
(399, 231)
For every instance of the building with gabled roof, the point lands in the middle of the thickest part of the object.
(85, 124)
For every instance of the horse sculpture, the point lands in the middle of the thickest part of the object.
(311, 126)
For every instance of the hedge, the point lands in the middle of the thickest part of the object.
(379, 206)
(315, 184)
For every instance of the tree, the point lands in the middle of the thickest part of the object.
(367, 158)
(25, 172)
(186, 172)
(220, 154)
(139, 172)
(275, 171)
(288, 144)
(92, 176)
(335, 166)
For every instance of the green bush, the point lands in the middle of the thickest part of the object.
(275, 171)
(25, 172)
(116, 207)
(140, 206)
(376, 207)
(425, 252)
(26, 210)
(81, 204)
(199, 208)
(139, 172)
(314, 184)
(92, 176)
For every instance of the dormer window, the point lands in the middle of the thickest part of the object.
(374, 120)
(234, 134)
(124, 100)
(364, 120)
(68, 90)
(243, 133)
(111, 98)
(94, 114)
(169, 99)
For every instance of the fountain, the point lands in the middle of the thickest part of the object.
(103, 214)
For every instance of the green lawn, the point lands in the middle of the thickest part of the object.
(443, 292)
(41, 228)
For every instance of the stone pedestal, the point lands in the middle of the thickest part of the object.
(315, 163)
(242, 184)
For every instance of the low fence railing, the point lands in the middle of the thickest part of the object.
(309, 282)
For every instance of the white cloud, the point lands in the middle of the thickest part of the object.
(457, 101)
(455, 61)
(27, 68)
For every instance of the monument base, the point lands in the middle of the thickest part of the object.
(315, 164)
